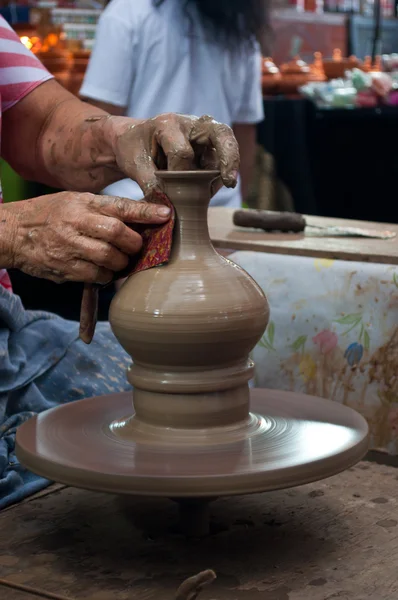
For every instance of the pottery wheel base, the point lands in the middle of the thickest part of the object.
(301, 439)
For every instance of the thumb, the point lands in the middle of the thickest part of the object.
(157, 196)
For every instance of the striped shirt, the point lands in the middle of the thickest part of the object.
(20, 73)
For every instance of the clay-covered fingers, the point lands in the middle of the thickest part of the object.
(73, 236)
(172, 138)
(158, 143)
(130, 211)
(206, 131)
(105, 240)
(178, 142)
(136, 152)
(89, 273)
(210, 162)
(101, 254)
(209, 159)
(115, 232)
(78, 270)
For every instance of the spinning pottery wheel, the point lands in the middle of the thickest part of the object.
(196, 430)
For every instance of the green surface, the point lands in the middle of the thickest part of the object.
(16, 188)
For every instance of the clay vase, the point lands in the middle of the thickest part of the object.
(190, 324)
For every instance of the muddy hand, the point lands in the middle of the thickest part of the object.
(77, 237)
(177, 143)
(74, 236)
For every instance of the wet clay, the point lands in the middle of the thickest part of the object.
(190, 325)
(195, 430)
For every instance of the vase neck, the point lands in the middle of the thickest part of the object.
(190, 194)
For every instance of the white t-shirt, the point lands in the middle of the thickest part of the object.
(154, 60)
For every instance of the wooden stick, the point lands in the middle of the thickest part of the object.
(189, 590)
(89, 312)
(32, 591)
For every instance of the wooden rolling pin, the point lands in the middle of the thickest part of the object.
(269, 221)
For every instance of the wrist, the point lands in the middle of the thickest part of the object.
(109, 129)
(8, 236)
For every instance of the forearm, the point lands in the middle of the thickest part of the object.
(53, 137)
(246, 138)
(83, 157)
(69, 146)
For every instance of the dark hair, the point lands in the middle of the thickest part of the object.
(231, 22)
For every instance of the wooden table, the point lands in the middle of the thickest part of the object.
(336, 539)
(225, 235)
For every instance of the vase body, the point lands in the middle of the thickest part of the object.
(189, 325)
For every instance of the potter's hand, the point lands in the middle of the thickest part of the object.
(73, 236)
(177, 143)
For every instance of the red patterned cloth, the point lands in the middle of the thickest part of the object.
(157, 241)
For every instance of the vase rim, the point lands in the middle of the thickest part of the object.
(203, 173)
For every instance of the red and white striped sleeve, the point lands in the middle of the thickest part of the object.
(20, 70)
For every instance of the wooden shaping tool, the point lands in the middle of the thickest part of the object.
(295, 223)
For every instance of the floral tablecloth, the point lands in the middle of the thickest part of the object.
(333, 333)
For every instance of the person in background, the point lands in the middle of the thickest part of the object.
(182, 56)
